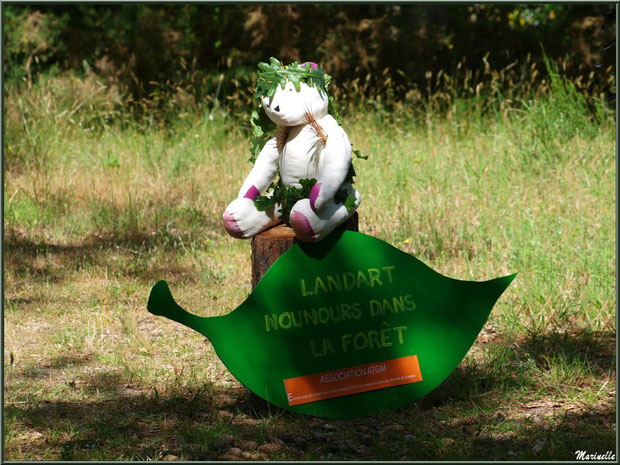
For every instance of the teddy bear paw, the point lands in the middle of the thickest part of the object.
(231, 225)
(302, 227)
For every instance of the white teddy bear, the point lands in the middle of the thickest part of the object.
(310, 152)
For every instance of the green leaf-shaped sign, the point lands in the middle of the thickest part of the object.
(345, 327)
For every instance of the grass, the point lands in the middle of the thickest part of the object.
(97, 211)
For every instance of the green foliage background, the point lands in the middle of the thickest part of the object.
(203, 50)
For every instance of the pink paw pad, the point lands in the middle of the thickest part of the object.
(301, 226)
(314, 193)
(231, 226)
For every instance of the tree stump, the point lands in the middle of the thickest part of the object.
(270, 244)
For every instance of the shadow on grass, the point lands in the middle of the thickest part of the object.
(129, 255)
(195, 426)
(595, 350)
(473, 415)
(58, 363)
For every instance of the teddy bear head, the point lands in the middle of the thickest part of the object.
(289, 93)
(289, 106)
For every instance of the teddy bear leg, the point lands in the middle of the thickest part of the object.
(311, 226)
(243, 220)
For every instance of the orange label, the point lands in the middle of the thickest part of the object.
(352, 380)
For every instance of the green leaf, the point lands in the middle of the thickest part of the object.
(380, 305)
(358, 154)
(331, 109)
(262, 128)
(306, 186)
(348, 200)
(350, 203)
(263, 202)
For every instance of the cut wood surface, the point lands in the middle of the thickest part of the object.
(269, 245)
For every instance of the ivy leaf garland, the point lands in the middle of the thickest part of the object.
(262, 131)
(284, 196)
(343, 196)
(287, 196)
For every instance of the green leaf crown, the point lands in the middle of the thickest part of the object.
(274, 74)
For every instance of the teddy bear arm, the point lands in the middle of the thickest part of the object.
(263, 172)
(336, 158)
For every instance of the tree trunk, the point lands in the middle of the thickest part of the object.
(270, 244)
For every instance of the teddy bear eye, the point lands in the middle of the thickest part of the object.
(290, 89)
